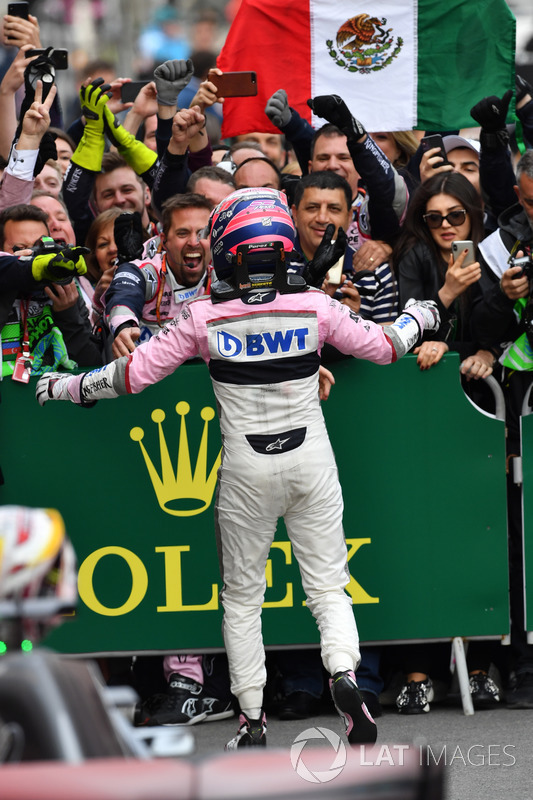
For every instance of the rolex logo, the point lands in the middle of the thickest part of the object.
(181, 492)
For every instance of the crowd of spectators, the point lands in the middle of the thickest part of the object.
(101, 227)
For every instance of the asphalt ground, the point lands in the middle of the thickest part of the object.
(487, 756)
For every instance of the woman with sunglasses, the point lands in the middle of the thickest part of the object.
(444, 209)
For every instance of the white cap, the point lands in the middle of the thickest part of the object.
(451, 142)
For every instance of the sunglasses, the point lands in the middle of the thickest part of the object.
(434, 219)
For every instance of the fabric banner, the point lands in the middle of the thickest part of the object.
(398, 65)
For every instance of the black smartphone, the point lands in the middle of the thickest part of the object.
(435, 140)
(18, 10)
(129, 91)
(234, 84)
(56, 58)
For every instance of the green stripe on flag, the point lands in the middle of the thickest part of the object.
(466, 51)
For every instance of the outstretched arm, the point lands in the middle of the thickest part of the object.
(387, 191)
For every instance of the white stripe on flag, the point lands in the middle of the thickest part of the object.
(384, 97)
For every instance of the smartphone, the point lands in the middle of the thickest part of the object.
(234, 84)
(129, 91)
(18, 10)
(335, 272)
(460, 247)
(435, 140)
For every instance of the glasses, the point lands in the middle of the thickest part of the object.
(434, 219)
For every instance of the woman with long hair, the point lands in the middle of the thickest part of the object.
(444, 209)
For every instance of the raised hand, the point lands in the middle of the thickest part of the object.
(186, 124)
(170, 78)
(277, 109)
(332, 108)
(36, 119)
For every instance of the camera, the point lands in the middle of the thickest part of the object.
(46, 245)
(44, 66)
(526, 264)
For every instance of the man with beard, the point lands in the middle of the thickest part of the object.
(145, 294)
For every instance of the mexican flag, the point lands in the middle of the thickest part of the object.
(398, 64)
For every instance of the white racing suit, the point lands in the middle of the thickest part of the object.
(263, 353)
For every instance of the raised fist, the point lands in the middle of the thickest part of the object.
(170, 78)
(491, 112)
(332, 108)
(277, 109)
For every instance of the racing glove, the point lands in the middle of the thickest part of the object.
(86, 388)
(57, 267)
(425, 312)
(277, 109)
(139, 157)
(170, 78)
(490, 113)
(53, 386)
(129, 236)
(327, 254)
(406, 331)
(333, 109)
(90, 150)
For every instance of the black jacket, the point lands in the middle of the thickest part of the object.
(493, 319)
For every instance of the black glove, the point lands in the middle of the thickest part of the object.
(129, 236)
(332, 108)
(490, 113)
(327, 254)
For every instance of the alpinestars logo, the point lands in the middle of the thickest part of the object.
(257, 297)
(277, 445)
(189, 707)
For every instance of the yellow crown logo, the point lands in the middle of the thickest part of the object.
(181, 493)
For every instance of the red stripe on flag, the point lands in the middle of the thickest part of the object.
(273, 38)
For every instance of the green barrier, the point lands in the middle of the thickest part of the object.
(425, 510)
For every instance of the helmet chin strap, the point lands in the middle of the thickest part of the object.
(275, 276)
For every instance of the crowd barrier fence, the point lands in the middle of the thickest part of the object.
(134, 479)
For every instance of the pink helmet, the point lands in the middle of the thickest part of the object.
(248, 216)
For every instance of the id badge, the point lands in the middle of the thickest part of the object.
(22, 371)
